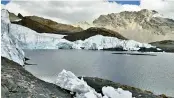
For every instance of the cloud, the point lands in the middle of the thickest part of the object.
(165, 7)
(73, 11)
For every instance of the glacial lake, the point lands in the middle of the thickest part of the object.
(150, 71)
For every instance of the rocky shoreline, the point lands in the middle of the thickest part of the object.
(98, 83)
(166, 45)
(17, 82)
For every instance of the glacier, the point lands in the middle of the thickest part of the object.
(67, 80)
(99, 42)
(9, 45)
(29, 39)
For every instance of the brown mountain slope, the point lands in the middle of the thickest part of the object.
(91, 32)
(43, 25)
(143, 26)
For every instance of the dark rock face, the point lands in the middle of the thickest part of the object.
(42, 25)
(16, 82)
(115, 49)
(20, 15)
(98, 83)
(166, 45)
(92, 32)
(143, 49)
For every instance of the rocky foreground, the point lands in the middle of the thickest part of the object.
(98, 83)
(42, 25)
(16, 82)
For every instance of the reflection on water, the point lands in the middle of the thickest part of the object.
(154, 71)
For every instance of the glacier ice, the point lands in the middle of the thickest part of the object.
(99, 42)
(69, 81)
(30, 39)
(9, 45)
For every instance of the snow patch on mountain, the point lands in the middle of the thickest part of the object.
(69, 81)
(84, 24)
(17, 20)
(9, 45)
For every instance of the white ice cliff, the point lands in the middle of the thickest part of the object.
(9, 45)
(69, 81)
(99, 42)
(30, 39)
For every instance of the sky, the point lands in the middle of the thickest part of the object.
(134, 2)
(73, 11)
(4, 2)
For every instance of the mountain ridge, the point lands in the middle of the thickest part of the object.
(92, 31)
(143, 26)
(42, 25)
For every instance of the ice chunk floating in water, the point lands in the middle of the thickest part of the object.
(69, 81)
